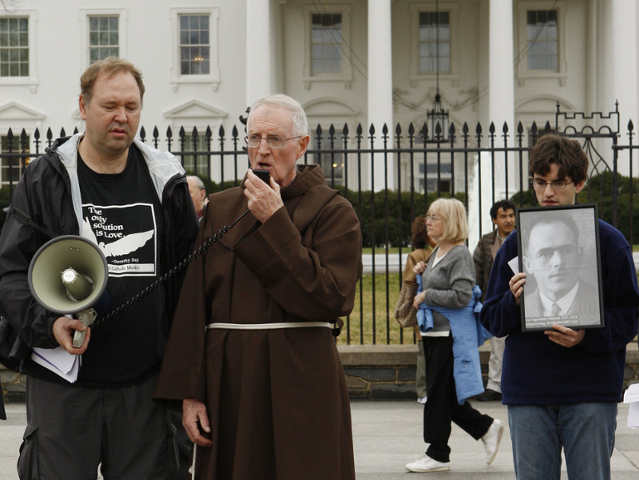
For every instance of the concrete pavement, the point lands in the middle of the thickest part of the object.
(386, 436)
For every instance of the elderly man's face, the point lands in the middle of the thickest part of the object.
(553, 257)
(280, 162)
(197, 195)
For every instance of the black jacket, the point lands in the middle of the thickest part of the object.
(44, 193)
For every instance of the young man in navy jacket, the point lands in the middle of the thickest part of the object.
(562, 386)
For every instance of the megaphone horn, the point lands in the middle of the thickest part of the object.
(68, 275)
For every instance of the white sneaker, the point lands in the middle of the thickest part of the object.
(422, 399)
(426, 464)
(492, 439)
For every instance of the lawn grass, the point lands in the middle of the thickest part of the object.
(387, 330)
(382, 250)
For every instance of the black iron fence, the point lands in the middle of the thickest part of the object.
(391, 177)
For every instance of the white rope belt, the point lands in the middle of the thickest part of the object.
(267, 326)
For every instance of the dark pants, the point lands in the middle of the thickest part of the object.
(71, 430)
(442, 408)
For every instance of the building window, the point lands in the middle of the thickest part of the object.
(195, 45)
(326, 43)
(104, 38)
(12, 167)
(14, 47)
(543, 40)
(540, 52)
(327, 51)
(434, 35)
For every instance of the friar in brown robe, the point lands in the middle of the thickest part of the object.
(250, 358)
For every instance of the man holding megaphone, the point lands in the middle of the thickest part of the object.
(132, 203)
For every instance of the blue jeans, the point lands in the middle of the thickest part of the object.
(585, 430)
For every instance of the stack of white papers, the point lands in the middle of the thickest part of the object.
(59, 361)
(632, 397)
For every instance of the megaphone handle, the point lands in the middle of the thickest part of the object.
(87, 317)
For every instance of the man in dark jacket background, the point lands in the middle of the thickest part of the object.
(133, 201)
(502, 214)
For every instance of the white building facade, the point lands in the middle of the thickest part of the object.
(346, 61)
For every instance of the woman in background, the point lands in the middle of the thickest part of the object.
(450, 336)
(405, 312)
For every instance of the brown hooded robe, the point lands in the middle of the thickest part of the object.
(276, 398)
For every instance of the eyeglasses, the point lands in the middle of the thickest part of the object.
(272, 141)
(433, 218)
(540, 184)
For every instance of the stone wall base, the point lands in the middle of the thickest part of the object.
(372, 371)
(388, 371)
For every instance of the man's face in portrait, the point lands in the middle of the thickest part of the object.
(505, 221)
(553, 257)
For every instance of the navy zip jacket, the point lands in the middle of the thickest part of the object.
(537, 371)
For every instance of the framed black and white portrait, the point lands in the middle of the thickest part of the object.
(559, 252)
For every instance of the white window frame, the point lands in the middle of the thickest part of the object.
(32, 79)
(85, 45)
(416, 76)
(346, 76)
(523, 74)
(213, 77)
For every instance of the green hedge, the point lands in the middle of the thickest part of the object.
(387, 211)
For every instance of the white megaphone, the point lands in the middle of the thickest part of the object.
(68, 275)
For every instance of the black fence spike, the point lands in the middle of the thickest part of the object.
(547, 128)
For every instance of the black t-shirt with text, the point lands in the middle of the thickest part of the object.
(123, 215)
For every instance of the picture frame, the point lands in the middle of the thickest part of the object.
(558, 249)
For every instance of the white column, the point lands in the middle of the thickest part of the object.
(619, 67)
(380, 85)
(501, 106)
(623, 72)
(258, 50)
(591, 58)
